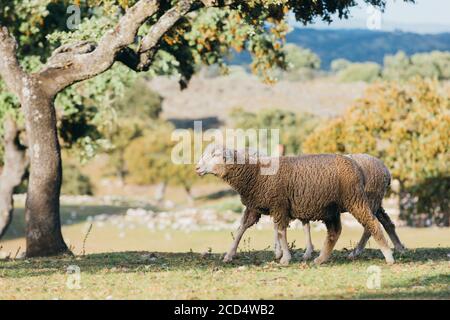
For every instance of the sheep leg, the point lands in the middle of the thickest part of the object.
(363, 214)
(277, 244)
(361, 245)
(388, 225)
(334, 228)
(390, 229)
(309, 246)
(282, 236)
(249, 218)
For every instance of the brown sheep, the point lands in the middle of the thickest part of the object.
(377, 181)
(308, 188)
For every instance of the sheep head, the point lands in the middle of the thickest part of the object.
(216, 157)
(213, 158)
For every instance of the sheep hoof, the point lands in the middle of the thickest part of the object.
(355, 253)
(388, 256)
(285, 260)
(319, 260)
(227, 258)
(278, 254)
(307, 256)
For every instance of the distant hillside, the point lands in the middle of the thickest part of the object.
(360, 45)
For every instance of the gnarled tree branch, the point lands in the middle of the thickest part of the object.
(84, 60)
(10, 69)
(141, 59)
(74, 66)
(163, 24)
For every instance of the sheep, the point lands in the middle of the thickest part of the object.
(377, 180)
(307, 187)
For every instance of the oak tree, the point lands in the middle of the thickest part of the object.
(135, 35)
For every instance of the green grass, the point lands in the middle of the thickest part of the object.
(420, 273)
(171, 264)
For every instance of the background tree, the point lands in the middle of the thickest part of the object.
(135, 112)
(367, 72)
(338, 65)
(301, 63)
(407, 126)
(294, 128)
(400, 67)
(139, 36)
(148, 160)
(15, 162)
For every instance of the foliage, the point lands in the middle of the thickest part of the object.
(74, 182)
(407, 126)
(87, 109)
(367, 72)
(435, 65)
(135, 111)
(398, 67)
(121, 135)
(148, 159)
(139, 101)
(339, 65)
(301, 63)
(294, 128)
(206, 37)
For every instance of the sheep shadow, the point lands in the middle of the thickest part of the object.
(141, 261)
(70, 214)
(340, 257)
(395, 290)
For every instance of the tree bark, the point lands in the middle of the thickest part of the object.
(189, 196)
(15, 165)
(43, 226)
(69, 64)
(160, 192)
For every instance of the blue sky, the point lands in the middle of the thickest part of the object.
(425, 16)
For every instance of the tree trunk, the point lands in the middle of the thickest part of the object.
(402, 199)
(189, 196)
(43, 230)
(121, 171)
(160, 192)
(14, 167)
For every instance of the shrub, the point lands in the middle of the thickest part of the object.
(339, 65)
(294, 128)
(148, 160)
(139, 101)
(74, 182)
(302, 64)
(367, 72)
(435, 64)
(407, 126)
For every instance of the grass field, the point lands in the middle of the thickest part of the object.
(137, 263)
